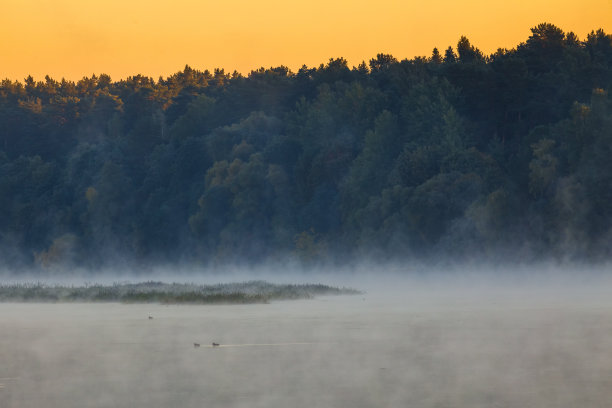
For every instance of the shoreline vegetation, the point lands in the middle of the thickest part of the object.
(250, 292)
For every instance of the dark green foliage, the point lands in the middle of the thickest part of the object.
(460, 153)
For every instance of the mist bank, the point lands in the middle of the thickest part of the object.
(373, 277)
(425, 341)
(459, 156)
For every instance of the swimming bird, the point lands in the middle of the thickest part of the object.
(150, 317)
(196, 345)
(215, 344)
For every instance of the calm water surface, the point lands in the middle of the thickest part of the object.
(425, 349)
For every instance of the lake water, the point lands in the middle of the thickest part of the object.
(422, 347)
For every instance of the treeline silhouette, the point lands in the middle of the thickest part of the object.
(458, 154)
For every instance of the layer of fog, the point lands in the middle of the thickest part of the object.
(462, 337)
(537, 282)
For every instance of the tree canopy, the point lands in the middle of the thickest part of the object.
(459, 154)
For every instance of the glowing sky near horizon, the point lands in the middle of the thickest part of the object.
(75, 38)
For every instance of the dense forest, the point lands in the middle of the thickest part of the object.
(455, 155)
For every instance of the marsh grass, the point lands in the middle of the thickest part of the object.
(167, 293)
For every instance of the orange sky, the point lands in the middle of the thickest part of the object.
(73, 38)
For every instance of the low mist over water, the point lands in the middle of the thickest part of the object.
(453, 342)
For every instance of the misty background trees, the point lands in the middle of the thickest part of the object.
(460, 154)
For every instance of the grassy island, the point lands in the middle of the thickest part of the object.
(168, 293)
